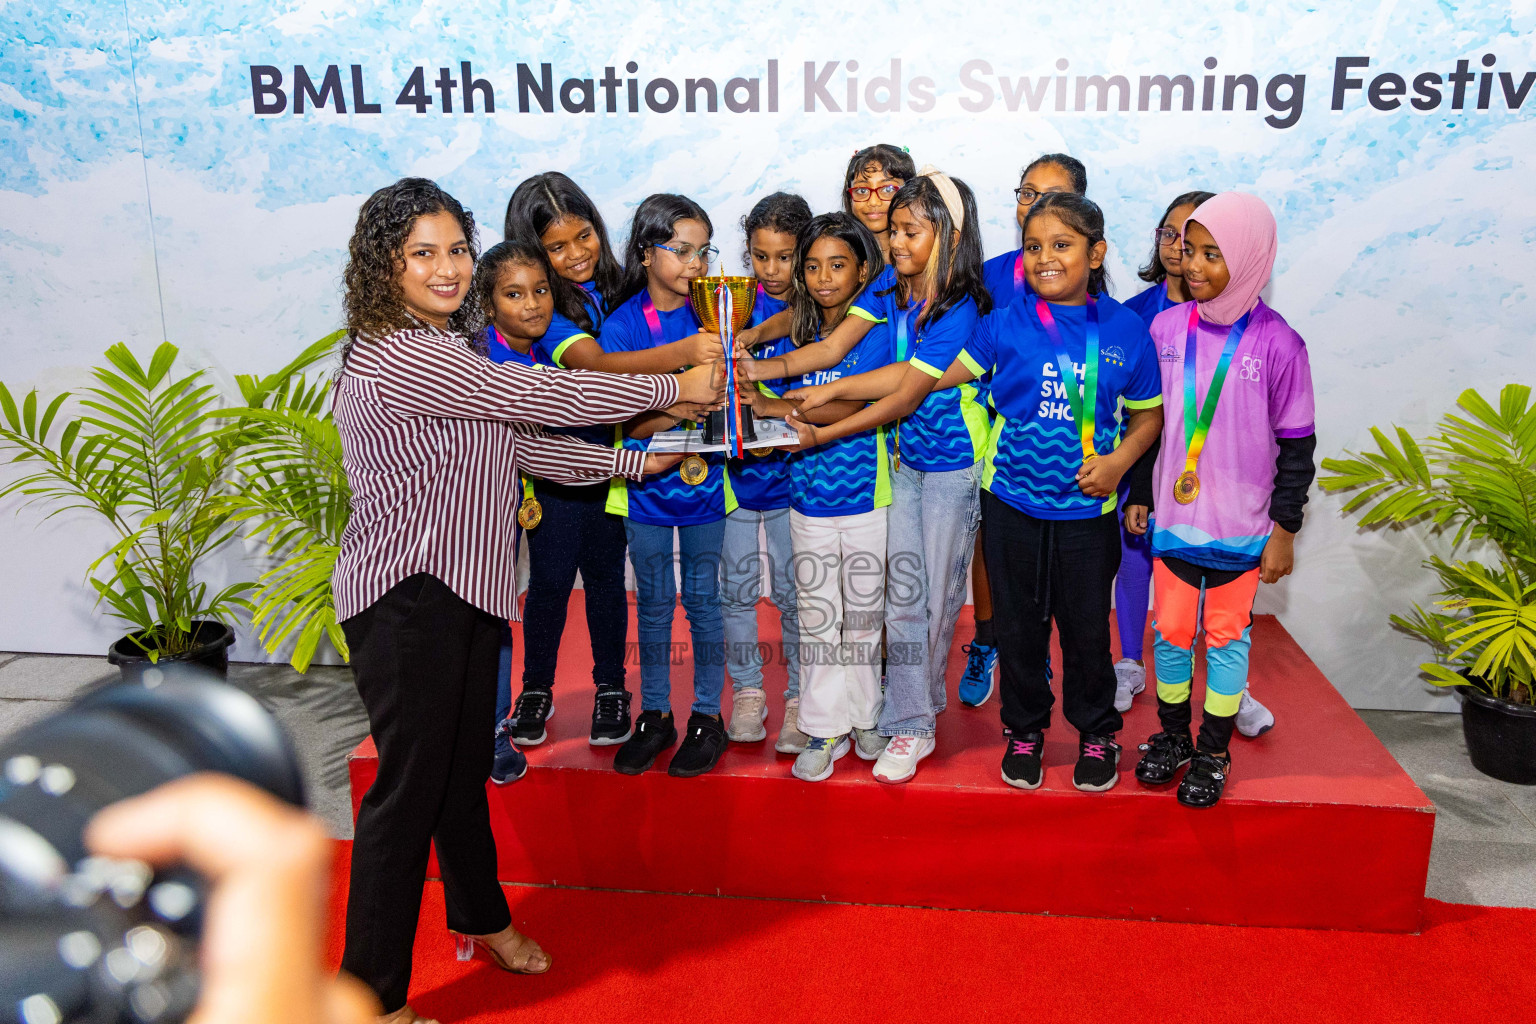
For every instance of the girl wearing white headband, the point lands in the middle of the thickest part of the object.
(930, 299)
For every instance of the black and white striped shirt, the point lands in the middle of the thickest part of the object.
(433, 436)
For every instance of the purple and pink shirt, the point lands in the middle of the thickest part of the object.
(1267, 395)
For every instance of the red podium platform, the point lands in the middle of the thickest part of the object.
(1319, 827)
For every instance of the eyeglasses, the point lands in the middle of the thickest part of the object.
(687, 254)
(1165, 236)
(1027, 196)
(862, 192)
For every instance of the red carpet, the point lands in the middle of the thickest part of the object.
(637, 956)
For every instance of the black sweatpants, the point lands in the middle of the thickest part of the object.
(1044, 569)
(425, 664)
(577, 533)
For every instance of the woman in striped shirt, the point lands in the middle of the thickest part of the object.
(433, 436)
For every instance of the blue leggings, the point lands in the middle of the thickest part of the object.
(1133, 587)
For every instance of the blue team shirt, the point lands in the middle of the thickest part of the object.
(1000, 278)
(662, 499)
(761, 481)
(948, 431)
(1150, 302)
(851, 474)
(1034, 452)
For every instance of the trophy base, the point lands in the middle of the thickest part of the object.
(714, 427)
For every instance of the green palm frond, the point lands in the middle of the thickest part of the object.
(147, 456)
(291, 496)
(1474, 479)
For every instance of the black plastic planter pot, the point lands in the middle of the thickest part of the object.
(1501, 737)
(210, 651)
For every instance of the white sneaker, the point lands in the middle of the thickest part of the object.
(791, 740)
(1253, 718)
(815, 762)
(1130, 679)
(868, 743)
(899, 762)
(749, 710)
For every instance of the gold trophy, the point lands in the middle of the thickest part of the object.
(723, 306)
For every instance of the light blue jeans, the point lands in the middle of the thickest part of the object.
(741, 585)
(930, 540)
(652, 555)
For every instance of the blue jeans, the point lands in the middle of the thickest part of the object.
(652, 555)
(930, 539)
(741, 584)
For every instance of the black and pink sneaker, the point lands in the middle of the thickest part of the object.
(1022, 759)
(1098, 761)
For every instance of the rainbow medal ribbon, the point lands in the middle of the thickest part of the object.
(1197, 425)
(903, 321)
(694, 469)
(1084, 400)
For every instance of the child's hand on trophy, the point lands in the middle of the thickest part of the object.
(702, 348)
(704, 385)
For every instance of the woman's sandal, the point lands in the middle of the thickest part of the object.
(526, 948)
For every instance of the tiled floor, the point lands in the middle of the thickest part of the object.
(1485, 831)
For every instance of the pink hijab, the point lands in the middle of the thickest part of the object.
(1244, 230)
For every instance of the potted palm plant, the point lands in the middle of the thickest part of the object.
(1474, 479)
(146, 458)
(290, 493)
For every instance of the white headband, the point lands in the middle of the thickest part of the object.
(947, 192)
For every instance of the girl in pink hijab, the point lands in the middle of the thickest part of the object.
(1225, 499)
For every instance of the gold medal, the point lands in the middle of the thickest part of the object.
(759, 452)
(1089, 457)
(1187, 488)
(530, 513)
(693, 470)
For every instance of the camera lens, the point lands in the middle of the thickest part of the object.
(91, 939)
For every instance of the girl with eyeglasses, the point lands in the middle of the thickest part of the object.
(669, 246)
(874, 175)
(1133, 585)
(1004, 275)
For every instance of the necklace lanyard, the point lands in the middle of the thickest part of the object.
(903, 322)
(652, 319)
(1084, 400)
(1197, 426)
(1163, 301)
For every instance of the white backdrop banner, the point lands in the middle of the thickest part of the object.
(193, 173)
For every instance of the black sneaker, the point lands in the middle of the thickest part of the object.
(1162, 756)
(509, 764)
(1021, 759)
(701, 748)
(1206, 778)
(532, 710)
(610, 718)
(1098, 760)
(654, 732)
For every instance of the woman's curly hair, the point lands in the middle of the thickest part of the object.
(373, 301)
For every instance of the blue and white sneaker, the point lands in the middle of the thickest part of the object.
(980, 674)
(510, 764)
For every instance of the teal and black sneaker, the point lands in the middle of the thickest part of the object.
(980, 674)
